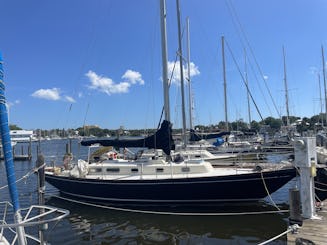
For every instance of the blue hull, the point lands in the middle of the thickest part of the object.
(206, 190)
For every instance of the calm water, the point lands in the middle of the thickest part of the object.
(90, 225)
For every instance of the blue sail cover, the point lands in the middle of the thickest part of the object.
(162, 139)
(6, 143)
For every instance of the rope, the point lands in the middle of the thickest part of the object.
(168, 213)
(25, 176)
(320, 183)
(319, 189)
(291, 228)
(264, 184)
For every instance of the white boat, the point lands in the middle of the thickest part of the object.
(20, 136)
(321, 154)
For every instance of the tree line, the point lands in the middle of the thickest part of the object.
(269, 124)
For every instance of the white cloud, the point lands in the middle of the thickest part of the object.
(48, 94)
(108, 86)
(133, 77)
(52, 94)
(175, 70)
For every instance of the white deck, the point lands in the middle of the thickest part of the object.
(152, 170)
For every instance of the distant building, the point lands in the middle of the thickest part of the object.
(22, 136)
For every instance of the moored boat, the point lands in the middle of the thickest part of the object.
(157, 181)
(170, 180)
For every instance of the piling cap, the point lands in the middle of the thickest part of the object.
(39, 160)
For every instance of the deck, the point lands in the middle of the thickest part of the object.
(314, 230)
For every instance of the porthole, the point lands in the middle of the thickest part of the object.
(113, 170)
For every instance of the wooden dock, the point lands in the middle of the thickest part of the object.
(312, 230)
(23, 155)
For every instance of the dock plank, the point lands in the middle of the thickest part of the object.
(314, 230)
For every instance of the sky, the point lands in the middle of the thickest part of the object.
(81, 62)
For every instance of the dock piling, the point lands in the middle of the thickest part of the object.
(295, 207)
(305, 160)
(41, 192)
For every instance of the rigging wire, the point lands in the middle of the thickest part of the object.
(87, 110)
(249, 61)
(171, 77)
(240, 27)
(243, 79)
(169, 83)
(24, 177)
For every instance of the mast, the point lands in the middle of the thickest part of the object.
(189, 73)
(247, 91)
(8, 157)
(181, 71)
(324, 77)
(320, 100)
(165, 79)
(286, 91)
(225, 85)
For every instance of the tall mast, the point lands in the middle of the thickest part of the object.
(324, 77)
(320, 100)
(189, 73)
(247, 85)
(164, 59)
(181, 71)
(286, 91)
(225, 85)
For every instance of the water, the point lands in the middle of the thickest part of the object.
(91, 225)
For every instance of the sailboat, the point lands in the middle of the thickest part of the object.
(170, 180)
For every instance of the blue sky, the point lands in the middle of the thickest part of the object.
(69, 63)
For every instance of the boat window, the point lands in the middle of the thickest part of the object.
(134, 170)
(185, 169)
(159, 170)
(96, 170)
(113, 170)
(198, 156)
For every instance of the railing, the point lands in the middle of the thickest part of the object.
(35, 215)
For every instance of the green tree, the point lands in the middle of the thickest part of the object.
(274, 124)
(255, 125)
(14, 127)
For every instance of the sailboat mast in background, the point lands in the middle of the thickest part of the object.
(225, 85)
(324, 77)
(164, 59)
(247, 85)
(190, 101)
(180, 54)
(286, 91)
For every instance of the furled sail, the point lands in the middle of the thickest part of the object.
(162, 139)
(197, 137)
